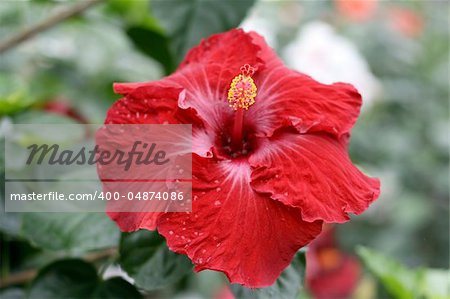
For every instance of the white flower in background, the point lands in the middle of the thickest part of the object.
(328, 57)
(263, 26)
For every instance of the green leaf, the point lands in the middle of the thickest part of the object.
(154, 44)
(70, 232)
(146, 258)
(71, 278)
(399, 281)
(15, 102)
(116, 288)
(287, 286)
(187, 22)
(132, 12)
(75, 278)
(14, 94)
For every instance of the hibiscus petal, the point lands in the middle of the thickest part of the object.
(127, 88)
(130, 221)
(286, 97)
(313, 173)
(246, 235)
(267, 55)
(153, 104)
(228, 49)
(205, 76)
(207, 71)
(145, 105)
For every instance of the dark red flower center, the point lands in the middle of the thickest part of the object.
(230, 148)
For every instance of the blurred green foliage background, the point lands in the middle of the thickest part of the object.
(402, 135)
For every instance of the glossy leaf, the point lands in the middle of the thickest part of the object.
(146, 258)
(187, 22)
(65, 279)
(74, 278)
(71, 232)
(154, 44)
(116, 288)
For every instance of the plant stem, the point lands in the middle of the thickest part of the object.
(51, 21)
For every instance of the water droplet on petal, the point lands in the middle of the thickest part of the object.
(217, 203)
(171, 232)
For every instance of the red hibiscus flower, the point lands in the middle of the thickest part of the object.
(330, 273)
(270, 161)
(406, 21)
(62, 107)
(357, 10)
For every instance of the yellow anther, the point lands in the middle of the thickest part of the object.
(242, 90)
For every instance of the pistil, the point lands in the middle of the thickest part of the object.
(238, 126)
(241, 96)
